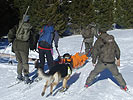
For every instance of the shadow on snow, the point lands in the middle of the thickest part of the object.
(105, 74)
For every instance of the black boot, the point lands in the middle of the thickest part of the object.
(27, 80)
(20, 77)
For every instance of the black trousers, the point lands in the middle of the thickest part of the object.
(45, 54)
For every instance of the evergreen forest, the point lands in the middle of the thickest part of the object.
(76, 14)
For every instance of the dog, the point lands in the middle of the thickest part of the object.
(55, 75)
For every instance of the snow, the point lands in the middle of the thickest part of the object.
(101, 90)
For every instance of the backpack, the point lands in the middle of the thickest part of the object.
(107, 54)
(23, 33)
(46, 34)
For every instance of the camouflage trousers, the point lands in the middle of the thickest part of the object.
(113, 69)
(23, 66)
(88, 46)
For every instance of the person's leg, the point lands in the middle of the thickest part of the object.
(24, 57)
(98, 68)
(49, 58)
(25, 64)
(42, 58)
(90, 44)
(113, 68)
(87, 47)
(19, 66)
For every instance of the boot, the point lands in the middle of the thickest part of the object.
(27, 80)
(124, 88)
(86, 85)
(20, 77)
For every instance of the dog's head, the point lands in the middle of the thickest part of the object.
(67, 58)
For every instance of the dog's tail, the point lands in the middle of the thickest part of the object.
(45, 76)
(40, 72)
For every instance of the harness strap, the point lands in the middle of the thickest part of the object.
(69, 72)
(43, 29)
(44, 48)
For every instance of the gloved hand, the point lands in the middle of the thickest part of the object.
(118, 62)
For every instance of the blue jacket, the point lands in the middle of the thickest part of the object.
(46, 34)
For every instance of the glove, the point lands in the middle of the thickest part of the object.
(118, 62)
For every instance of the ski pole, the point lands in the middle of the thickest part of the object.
(10, 61)
(58, 52)
(81, 45)
(6, 47)
(59, 57)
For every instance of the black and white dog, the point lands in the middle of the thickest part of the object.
(53, 77)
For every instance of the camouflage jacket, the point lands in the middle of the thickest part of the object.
(88, 33)
(98, 52)
(17, 45)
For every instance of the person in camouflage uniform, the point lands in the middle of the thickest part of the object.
(105, 61)
(21, 50)
(88, 34)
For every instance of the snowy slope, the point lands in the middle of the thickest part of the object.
(101, 90)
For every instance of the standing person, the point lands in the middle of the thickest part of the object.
(88, 34)
(47, 36)
(105, 52)
(19, 36)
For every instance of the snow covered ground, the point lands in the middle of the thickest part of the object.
(101, 90)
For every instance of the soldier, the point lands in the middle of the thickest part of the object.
(104, 54)
(88, 34)
(19, 36)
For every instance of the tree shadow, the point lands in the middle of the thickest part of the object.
(3, 43)
(7, 60)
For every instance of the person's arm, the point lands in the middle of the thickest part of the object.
(117, 54)
(95, 32)
(56, 39)
(12, 34)
(95, 52)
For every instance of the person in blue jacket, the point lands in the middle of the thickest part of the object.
(47, 36)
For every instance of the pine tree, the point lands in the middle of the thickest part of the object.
(81, 13)
(41, 12)
(44, 11)
(123, 13)
(104, 13)
(8, 16)
(22, 6)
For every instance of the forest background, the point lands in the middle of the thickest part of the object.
(75, 14)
